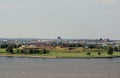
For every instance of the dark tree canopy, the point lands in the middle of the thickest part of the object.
(110, 50)
(9, 49)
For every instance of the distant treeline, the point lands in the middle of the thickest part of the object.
(14, 48)
(10, 49)
(6, 45)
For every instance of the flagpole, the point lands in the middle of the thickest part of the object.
(58, 38)
(57, 42)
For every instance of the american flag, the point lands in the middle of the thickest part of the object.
(59, 38)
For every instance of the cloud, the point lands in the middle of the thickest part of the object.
(107, 1)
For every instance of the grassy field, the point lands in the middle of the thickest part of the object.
(62, 54)
(82, 55)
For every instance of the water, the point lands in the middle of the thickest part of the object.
(13, 67)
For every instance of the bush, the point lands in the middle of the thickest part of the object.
(16, 51)
(21, 51)
(27, 51)
(34, 51)
(88, 53)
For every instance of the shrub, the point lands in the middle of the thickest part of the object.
(16, 51)
(88, 53)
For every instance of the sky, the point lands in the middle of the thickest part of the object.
(70, 19)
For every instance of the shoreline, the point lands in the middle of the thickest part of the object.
(55, 57)
(27, 56)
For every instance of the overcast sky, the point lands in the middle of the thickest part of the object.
(79, 19)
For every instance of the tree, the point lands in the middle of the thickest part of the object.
(92, 46)
(115, 49)
(3, 45)
(118, 48)
(99, 53)
(9, 49)
(110, 50)
(45, 51)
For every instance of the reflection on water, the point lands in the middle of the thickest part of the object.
(12, 67)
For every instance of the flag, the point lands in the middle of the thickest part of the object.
(59, 38)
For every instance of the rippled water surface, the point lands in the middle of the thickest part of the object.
(13, 67)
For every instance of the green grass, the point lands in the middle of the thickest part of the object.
(3, 51)
(81, 54)
(62, 54)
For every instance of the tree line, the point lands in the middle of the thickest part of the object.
(10, 49)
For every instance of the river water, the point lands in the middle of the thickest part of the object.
(14, 67)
